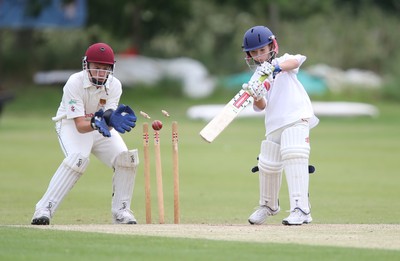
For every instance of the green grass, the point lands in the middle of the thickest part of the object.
(356, 182)
(59, 245)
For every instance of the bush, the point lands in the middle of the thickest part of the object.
(334, 35)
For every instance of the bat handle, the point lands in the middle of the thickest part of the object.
(263, 78)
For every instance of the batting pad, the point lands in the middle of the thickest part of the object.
(67, 174)
(124, 179)
(270, 174)
(295, 151)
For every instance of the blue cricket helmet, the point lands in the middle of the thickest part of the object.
(257, 37)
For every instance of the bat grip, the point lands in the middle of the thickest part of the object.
(263, 78)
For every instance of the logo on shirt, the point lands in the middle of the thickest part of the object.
(72, 101)
(72, 108)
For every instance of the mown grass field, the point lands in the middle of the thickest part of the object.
(356, 182)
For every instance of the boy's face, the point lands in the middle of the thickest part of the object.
(99, 72)
(262, 54)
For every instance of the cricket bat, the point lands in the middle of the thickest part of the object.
(231, 110)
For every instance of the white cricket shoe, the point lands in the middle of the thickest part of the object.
(260, 215)
(124, 216)
(297, 217)
(41, 217)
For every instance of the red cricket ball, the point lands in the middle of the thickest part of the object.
(157, 125)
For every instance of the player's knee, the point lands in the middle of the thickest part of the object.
(127, 159)
(269, 167)
(77, 162)
(295, 153)
(269, 160)
(295, 144)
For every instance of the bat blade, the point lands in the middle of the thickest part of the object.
(226, 116)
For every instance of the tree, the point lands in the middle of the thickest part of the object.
(140, 20)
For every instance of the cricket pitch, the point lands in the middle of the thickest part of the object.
(379, 236)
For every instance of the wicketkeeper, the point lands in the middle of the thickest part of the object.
(89, 120)
(289, 117)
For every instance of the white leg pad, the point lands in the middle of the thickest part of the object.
(67, 174)
(270, 174)
(124, 180)
(295, 150)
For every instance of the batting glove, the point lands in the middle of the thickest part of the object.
(255, 89)
(266, 69)
(98, 123)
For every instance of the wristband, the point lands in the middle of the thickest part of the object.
(277, 69)
(93, 124)
(107, 116)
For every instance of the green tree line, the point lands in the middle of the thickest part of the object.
(360, 33)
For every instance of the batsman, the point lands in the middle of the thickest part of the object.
(289, 117)
(90, 120)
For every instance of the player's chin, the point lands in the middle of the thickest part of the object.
(99, 81)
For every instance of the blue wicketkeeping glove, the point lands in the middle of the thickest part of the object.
(122, 119)
(98, 123)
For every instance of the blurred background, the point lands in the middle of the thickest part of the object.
(348, 43)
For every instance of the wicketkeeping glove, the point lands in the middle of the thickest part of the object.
(256, 89)
(98, 123)
(122, 119)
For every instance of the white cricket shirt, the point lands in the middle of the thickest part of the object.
(81, 98)
(287, 100)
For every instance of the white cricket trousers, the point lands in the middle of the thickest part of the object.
(105, 149)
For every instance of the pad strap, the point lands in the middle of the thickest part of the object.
(107, 116)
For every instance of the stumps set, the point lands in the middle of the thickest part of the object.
(157, 126)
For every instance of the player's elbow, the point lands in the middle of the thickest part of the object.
(80, 130)
(293, 64)
(290, 65)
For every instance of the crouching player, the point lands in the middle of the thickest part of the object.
(89, 120)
